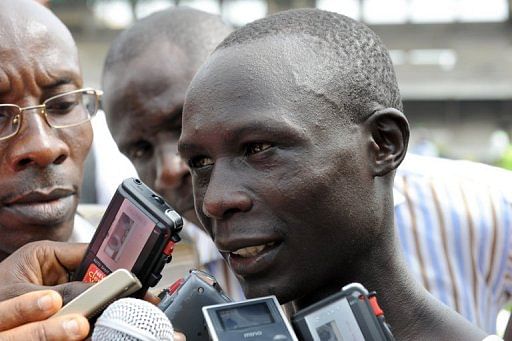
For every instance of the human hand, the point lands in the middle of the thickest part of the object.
(25, 318)
(42, 265)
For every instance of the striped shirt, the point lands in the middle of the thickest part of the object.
(454, 221)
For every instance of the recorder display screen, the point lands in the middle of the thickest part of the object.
(245, 316)
(126, 237)
(334, 322)
(329, 332)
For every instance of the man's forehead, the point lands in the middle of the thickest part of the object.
(152, 68)
(27, 25)
(154, 71)
(226, 130)
(266, 79)
(130, 94)
(30, 19)
(254, 74)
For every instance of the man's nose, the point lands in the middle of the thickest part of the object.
(36, 144)
(224, 195)
(170, 170)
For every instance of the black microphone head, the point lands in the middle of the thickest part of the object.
(130, 319)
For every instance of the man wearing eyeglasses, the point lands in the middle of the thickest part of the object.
(45, 133)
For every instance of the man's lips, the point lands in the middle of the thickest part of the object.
(39, 196)
(41, 206)
(252, 251)
(251, 257)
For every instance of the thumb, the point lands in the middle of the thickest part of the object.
(68, 327)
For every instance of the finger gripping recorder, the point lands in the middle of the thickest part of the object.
(137, 233)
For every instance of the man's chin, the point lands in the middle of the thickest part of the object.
(49, 215)
(15, 237)
(284, 294)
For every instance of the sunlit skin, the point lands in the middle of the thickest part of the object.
(276, 168)
(144, 115)
(40, 167)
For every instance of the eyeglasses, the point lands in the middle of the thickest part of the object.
(62, 111)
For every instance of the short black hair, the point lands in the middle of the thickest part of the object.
(194, 31)
(356, 62)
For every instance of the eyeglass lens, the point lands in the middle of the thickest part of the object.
(66, 110)
(71, 109)
(9, 120)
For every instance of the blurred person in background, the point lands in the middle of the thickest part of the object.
(45, 133)
(146, 74)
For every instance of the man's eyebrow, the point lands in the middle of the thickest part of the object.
(276, 128)
(59, 82)
(281, 128)
(64, 79)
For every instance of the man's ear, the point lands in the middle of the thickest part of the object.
(389, 131)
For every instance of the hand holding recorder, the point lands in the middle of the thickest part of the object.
(25, 318)
(42, 265)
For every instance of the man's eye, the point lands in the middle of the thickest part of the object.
(140, 150)
(254, 148)
(200, 162)
(60, 107)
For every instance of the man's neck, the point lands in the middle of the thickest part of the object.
(410, 310)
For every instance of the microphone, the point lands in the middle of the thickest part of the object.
(130, 319)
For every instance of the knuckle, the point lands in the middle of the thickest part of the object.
(36, 332)
(6, 337)
(31, 332)
(40, 332)
(37, 248)
(18, 309)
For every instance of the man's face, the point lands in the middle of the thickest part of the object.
(144, 109)
(281, 181)
(40, 167)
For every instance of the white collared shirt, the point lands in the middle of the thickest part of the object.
(82, 231)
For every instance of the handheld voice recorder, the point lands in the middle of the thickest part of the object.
(349, 315)
(91, 302)
(254, 319)
(137, 233)
(183, 300)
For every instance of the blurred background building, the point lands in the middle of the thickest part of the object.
(453, 58)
